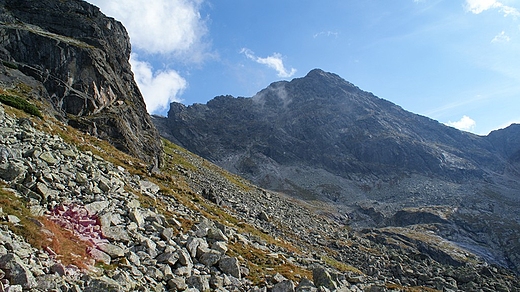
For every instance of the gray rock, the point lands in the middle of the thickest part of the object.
(112, 250)
(44, 191)
(210, 258)
(230, 266)
(216, 234)
(14, 288)
(322, 278)
(116, 233)
(284, 286)
(5, 154)
(97, 207)
(11, 170)
(200, 282)
(102, 284)
(167, 233)
(13, 219)
(100, 256)
(185, 258)
(177, 284)
(136, 216)
(17, 272)
(49, 158)
(306, 285)
(220, 246)
(263, 216)
(193, 244)
(148, 186)
(170, 258)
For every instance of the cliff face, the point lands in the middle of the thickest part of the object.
(80, 58)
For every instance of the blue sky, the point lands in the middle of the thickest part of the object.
(456, 61)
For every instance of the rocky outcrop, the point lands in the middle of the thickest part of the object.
(77, 59)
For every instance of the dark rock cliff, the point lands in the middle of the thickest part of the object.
(81, 57)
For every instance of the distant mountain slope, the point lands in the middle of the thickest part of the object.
(322, 138)
(322, 121)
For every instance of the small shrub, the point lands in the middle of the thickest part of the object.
(10, 65)
(20, 103)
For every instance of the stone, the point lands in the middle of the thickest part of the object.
(306, 285)
(322, 278)
(230, 266)
(112, 250)
(100, 256)
(200, 282)
(167, 233)
(44, 191)
(14, 288)
(185, 258)
(284, 286)
(216, 282)
(136, 216)
(13, 219)
(11, 170)
(68, 153)
(49, 158)
(210, 258)
(193, 243)
(102, 284)
(220, 246)
(177, 284)
(58, 268)
(81, 178)
(170, 258)
(97, 207)
(263, 216)
(216, 234)
(148, 186)
(16, 271)
(116, 233)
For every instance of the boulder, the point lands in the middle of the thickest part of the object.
(230, 266)
(17, 271)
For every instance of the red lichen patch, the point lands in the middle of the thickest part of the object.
(64, 245)
(79, 221)
(73, 231)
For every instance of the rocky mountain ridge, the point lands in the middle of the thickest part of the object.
(320, 138)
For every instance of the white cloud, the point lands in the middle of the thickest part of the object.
(501, 38)
(274, 62)
(159, 88)
(478, 6)
(465, 124)
(161, 26)
(326, 33)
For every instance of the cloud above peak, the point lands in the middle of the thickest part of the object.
(274, 61)
(464, 124)
(478, 6)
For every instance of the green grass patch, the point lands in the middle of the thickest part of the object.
(20, 103)
(342, 267)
